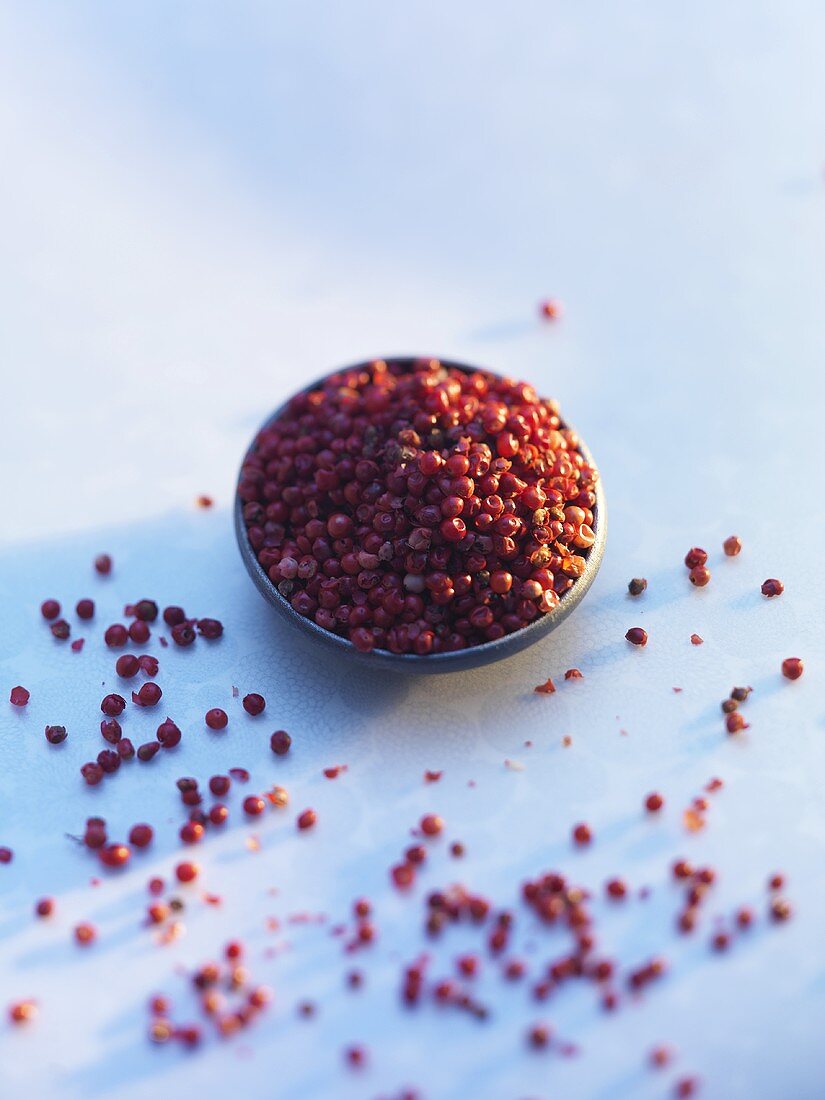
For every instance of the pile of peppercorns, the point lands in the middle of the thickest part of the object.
(415, 507)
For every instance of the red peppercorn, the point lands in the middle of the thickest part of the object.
(149, 695)
(210, 628)
(140, 836)
(23, 1012)
(60, 630)
(115, 855)
(696, 640)
(183, 635)
(654, 802)
(254, 704)
(772, 587)
(108, 760)
(116, 636)
(218, 814)
(216, 719)
(186, 872)
(637, 586)
(44, 907)
(776, 881)
(306, 819)
(280, 742)
(582, 834)
(720, 941)
(538, 1036)
(56, 735)
(168, 734)
(173, 615)
(127, 666)
(685, 1087)
(780, 910)
(253, 805)
(92, 773)
(103, 564)
(735, 722)
(637, 636)
(792, 668)
(219, 785)
(112, 705)
(431, 824)
(695, 557)
(616, 888)
(699, 576)
(50, 609)
(148, 751)
(732, 546)
(85, 609)
(85, 933)
(192, 833)
(6, 854)
(550, 309)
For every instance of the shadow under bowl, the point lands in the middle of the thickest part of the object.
(459, 660)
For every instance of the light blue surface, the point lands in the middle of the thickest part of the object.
(204, 206)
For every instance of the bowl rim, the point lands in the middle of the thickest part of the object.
(413, 662)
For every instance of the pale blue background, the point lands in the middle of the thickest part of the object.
(203, 206)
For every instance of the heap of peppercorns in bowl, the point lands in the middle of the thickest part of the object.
(421, 514)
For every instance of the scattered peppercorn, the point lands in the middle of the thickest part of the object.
(732, 546)
(19, 696)
(637, 586)
(695, 639)
(792, 668)
(307, 819)
(699, 576)
(637, 636)
(654, 802)
(216, 719)
(772, 587)
(254, 704)
(280, 742)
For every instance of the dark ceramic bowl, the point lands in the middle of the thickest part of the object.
(435, 662)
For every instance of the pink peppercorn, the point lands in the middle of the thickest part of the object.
(306, 819)
(127, 666)
(60, 630)
(85, 934)
(254, 704)
(582, 834)
(141, 835)
(149, 695)
(772, 587)
(103, 564)
(186, 872)
(219, 785)
(732, 546)
(654, 802)
(254, 805)
(699, 576)
(85, 609)
(792, 668)
(218, 814)
(148, 751)
(168, 734)
(6, 854)
(210, 628)
(695, 557)
(92, 773)
(280, 742)
(19, 696)
(44, 907)
(183, 635)
(637, 636)
(550, 309)
(112, 705)
(116, 636)
(216, 719)
(431, 824)
(50, 609)
(56, 735)
(139, 632)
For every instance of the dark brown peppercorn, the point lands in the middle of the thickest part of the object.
(637, 586)
(772, 587)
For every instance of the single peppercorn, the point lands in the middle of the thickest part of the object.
(44, 907)
(115, 855)
(23, 1012)
(168, 734)
(191, 832)
(732, 546)
(654, 802)
(139, 632)
(173, 615)
(616, 889)
(699, 576)
(149, 695)
(582, 834)
(735, 722)
(254, 704)
(792, 668)
(146, 610)
(740, 694)
(695, 639)
(306, 819)
(60, 630)
(280, 742)
(216, 719)
(695, 557)
(111, 730)
(183, 635)
(431, 824)
(19, 696)
(6, 854)
(50, 609)
(103, 564)
(186, 872)
(85, 609)
(92, 773)
(109, 760)
(125, 749)
(85, 933)
(113, 705)
(772, 587)
(637, 636)
(218, 814)
(141, 835)
(637, 586)
(116, 636)
(148, 751)
(219, 785)
(127, 666)
(56, 735)
(210, 628)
